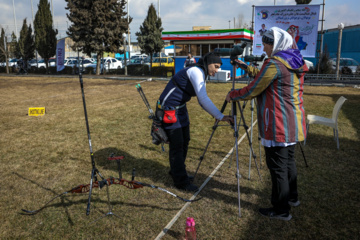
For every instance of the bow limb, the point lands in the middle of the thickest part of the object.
(78, 189)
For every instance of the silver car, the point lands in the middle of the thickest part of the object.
(350, 63)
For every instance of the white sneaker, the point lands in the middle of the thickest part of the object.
(294, 203)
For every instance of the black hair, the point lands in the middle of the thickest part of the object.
(207, 59)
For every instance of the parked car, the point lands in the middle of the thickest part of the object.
(3, 64)
(13, 62)
(346, 65)
(52, 62)
(121, 59)
(107, 63)
(142, 56)
(39, 64)
(86, 62)
(135, 61)
(161, 55)
(164, 62)
(72, 63)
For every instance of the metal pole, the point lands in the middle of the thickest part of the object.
(341, 27)
(322, 37)
(158, 8)
(229, 24)
(16, 31)
(128, 13)
(125, 67)
(36, 53)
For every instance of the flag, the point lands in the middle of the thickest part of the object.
(60, 55)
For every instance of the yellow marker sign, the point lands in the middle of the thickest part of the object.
(39, 111)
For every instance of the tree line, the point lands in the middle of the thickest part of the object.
(97, 26)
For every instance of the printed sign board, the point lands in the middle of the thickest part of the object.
(36, 111)
(301, 21)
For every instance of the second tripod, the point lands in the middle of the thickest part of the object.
(234, 107)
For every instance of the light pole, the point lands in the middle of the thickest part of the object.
(340, 27)
(16, 32)
(128, 29)
(124, 37)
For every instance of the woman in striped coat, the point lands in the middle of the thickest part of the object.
(278, 88)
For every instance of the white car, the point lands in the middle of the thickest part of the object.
(72, 63)
(12, 62)
(109, 63)
(86, 62)
(41, 63)
(350, 63)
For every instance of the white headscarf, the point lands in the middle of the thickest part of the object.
(282, 39)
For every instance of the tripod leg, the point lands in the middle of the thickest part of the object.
(208, 143)
(259, 139)
(251, 133)
(302, 151)
(236, 135)
(93, 176)
(248, 137)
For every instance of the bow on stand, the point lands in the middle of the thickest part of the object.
(85, 188)
(94, 183)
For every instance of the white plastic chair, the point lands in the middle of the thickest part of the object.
(330, 122)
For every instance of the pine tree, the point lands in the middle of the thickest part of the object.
(325, 63)
(45, 40)
(29, 48)
(149, 37)
(97, 26)
(2, 46)
(12, 45)
(19, 49)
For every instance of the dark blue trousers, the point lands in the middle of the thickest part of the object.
(179, 139)
(281, 163)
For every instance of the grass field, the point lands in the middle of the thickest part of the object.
(44, 156)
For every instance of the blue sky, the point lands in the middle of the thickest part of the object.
(182, 17)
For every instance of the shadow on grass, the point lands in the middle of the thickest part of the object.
(147, 168)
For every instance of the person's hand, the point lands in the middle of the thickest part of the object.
(228, 98)
(241, 64)
(229, 119)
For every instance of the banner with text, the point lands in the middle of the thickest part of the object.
(60, 55)
(301, 21)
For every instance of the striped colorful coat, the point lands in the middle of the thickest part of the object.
(278, 88)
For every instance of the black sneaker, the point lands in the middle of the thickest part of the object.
(191, 178)
(271, 213)
(189, 187)
(294, 203)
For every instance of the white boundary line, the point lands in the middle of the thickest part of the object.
(175, 218)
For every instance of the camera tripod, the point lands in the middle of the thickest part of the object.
(234, 107)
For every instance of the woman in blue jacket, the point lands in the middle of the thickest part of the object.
(187, 83)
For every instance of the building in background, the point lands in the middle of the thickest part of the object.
(350, 44)
(198, 43)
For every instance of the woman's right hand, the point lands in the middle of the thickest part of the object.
(241, 64)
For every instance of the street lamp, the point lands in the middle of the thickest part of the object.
(124, 37)
(340, 27)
